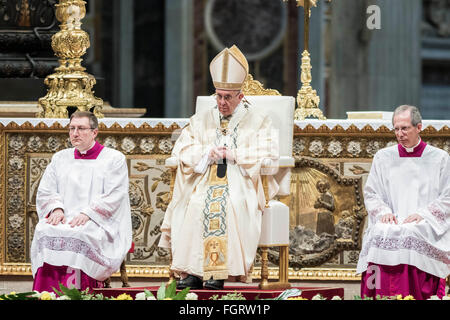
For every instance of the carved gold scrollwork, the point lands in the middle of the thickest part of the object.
(255, 88)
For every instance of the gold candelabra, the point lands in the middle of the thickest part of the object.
(307, 98)
(70, 85)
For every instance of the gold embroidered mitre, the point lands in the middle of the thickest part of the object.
(229, 69)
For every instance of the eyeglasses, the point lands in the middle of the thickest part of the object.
(403, 129)
(227, 97)
(80, 129)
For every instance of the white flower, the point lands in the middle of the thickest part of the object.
(140, 296)
(336, 298)
(446, 298)
(64, 297)
(433, 298)
(318, 297)
(147, 295)
(191, 296)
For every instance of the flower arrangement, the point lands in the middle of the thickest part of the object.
(169, 292)
(400, 297)
(316, 297)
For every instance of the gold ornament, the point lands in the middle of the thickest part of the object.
(307, 98)
(70, 86)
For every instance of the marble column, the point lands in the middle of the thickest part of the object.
(375, 69)
(178, 95)
(123, 54)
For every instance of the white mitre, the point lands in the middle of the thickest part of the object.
(229, 69)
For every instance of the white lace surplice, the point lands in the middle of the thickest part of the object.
(98, 188)
(404, 186)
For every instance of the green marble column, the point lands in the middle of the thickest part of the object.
(179, 100)
(123, 54)
(375, 69)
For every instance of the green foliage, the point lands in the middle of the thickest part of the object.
(72, 294)
(169, 292)
(19, 296)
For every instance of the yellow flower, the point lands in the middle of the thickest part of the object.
(398, 297)
(297, 298)
(124, 296)
(46, 296)
(12, 293)
(410, 297)
(167, 299)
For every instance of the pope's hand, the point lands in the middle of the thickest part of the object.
(229, 155)
(217, 153)
(412, 218)
(79, 220)
(389, 218)
(56, 217)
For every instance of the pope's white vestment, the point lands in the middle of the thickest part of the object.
(96, 187)
(253, 142)
(404, 186)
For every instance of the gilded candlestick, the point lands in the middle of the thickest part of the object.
(70, 85)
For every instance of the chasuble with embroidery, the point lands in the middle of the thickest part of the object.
(213, 224)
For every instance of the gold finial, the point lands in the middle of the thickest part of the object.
(70, 86)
